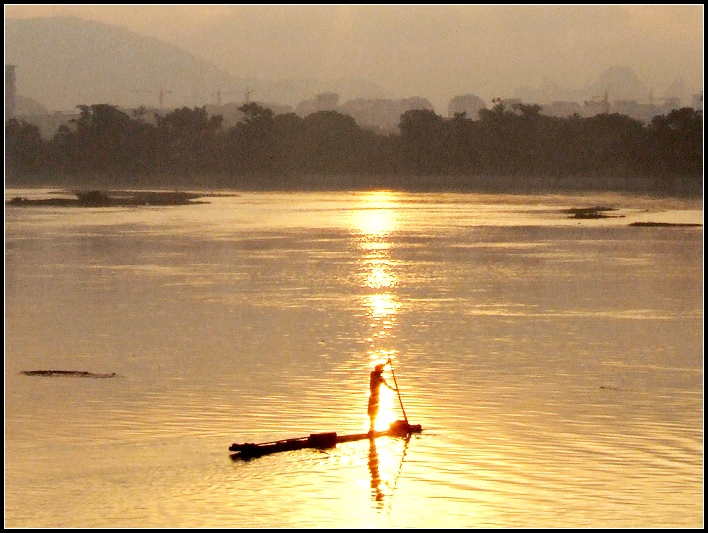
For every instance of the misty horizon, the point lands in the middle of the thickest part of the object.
(431, 52)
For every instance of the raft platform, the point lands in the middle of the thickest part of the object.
(322, 441)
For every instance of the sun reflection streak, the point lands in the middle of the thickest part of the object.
(377, 217)
(382, 306)
(375, 221)
(380, 275)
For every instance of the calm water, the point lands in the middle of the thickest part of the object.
(555, 365)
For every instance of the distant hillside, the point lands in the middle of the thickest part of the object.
(619, 82)
(63, 62)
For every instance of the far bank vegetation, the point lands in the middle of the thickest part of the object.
(506, 149)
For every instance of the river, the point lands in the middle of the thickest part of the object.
(555, 364)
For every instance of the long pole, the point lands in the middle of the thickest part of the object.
(398, 391)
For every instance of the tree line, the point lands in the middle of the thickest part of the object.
(507, 145)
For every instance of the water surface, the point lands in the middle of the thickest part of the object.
(555, 364)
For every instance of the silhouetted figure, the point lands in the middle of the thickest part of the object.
(375, 382)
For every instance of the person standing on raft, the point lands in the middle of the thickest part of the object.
(375, 381)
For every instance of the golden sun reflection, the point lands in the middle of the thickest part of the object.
(387, 413)
(375, 221)
(381, 306)
(380, 275)
(377, 216)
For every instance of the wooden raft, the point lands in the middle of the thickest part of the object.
(249, 450)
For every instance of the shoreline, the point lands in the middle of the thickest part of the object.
(122, 198)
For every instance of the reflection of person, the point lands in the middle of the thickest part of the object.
(377, 490)
(375, 382)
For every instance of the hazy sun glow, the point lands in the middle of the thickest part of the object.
(375, 216)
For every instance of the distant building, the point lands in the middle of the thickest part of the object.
(49, 123)
(321, 102)
(10, 92)
(595, 107)
(382, 114)
(669, 104)
(231, 115)
(631, 108)
(697, 101)
(508, 103)
(466, 103)
(563, 109)
(378, 114)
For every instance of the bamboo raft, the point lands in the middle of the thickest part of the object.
(249, 450)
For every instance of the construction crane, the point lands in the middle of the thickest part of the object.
(219, 93)
(605, 102)
(160, 95)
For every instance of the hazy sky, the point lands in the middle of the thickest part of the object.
(425, 50)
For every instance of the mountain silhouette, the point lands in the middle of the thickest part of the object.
(62, 62)
(620, 82)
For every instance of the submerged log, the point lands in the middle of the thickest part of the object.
(665, 224)
(67, 373)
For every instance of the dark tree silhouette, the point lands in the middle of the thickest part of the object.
(105, 142)
(252, 144)
(423, 142)
(188, 141)
(512, 146)
(679, 142)
(24, 149)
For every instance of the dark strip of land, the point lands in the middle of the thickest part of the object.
(95, 198)
(591, 212)
(664, 224)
